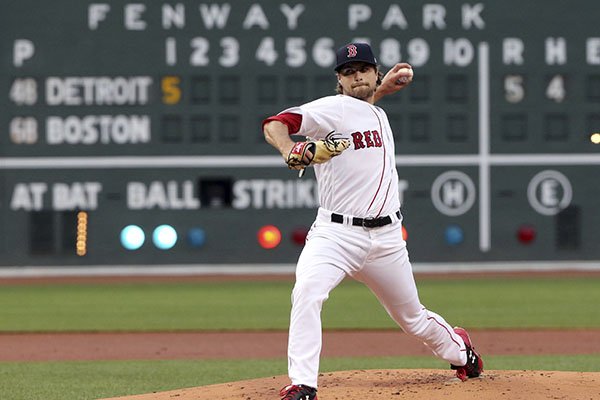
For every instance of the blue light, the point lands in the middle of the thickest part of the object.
(196, 237)
(132, 237)
(454, 235)
(164, 237)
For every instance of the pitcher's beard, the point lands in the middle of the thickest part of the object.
(362, 92)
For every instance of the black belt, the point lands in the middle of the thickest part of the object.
(366, 222)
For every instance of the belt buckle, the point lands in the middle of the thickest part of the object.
(369, 222)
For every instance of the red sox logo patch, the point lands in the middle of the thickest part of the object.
(352, 51)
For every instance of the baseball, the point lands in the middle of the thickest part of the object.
(405, 71)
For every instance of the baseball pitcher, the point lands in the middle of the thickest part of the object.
(358, 228)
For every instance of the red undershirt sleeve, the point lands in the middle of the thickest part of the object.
(291, 120)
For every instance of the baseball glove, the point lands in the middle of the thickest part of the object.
(320, 151)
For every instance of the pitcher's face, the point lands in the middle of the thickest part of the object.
(358, 79)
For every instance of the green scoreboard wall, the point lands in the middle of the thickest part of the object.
(146, 113)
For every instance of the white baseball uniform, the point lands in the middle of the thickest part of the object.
(362, 182)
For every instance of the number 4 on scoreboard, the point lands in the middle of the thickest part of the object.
(556, 88)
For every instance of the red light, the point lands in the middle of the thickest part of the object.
(404, 233)
(299, 236)
(269, 237)
(526, 234)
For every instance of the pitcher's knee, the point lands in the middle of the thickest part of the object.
(414, 324)
(308, 292)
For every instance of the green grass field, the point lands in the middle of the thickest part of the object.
(80, 380)
(492, 303)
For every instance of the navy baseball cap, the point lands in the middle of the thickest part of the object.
(353, 52)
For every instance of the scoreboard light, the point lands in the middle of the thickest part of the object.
(269, 237)
(132, 237)
(82, 228)
(454, 235)
(196, 237)
(164, 237)
(526, 234)
(595, 138)
(299, 235)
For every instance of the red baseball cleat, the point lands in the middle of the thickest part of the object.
(474, 366)
(298, 392)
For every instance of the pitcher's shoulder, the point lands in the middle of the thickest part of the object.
(327, 100)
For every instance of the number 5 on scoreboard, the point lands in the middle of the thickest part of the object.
(170, 89)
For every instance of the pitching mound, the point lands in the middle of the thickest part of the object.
(407, 384)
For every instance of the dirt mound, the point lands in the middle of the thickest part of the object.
(407, 384)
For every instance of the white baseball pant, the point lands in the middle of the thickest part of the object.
(378, 258)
